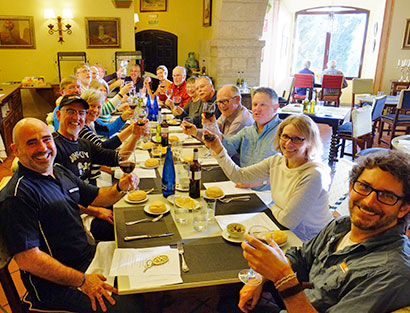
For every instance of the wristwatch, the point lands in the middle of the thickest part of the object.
(290, 291)
(119, 189)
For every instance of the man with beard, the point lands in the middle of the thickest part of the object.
(359, 263)
(178, 86)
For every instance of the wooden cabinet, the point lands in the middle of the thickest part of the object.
(396, 86)
(11, 112)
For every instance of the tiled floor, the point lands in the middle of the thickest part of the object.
(177, 304)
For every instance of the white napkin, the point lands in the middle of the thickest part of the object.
(140, 172)
(228, 187)
(292, 108)
(141, 156)
(102, 260)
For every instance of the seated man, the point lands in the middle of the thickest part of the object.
(207, 92)
(355, 264)
(178, 87)
(42, 228)
(83, 73)
(331, 70)
(306, 65)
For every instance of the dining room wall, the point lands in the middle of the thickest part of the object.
(15, 64)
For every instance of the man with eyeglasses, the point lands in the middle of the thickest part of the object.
(83, 73)
(359, 263)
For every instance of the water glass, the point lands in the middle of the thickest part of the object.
(181, 215)
(200, 217)
(211, 203)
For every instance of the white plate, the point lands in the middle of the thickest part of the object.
(149, 167)
(225, 235)
(181, 189)
(146, 209)
(135, 201)
(209, 198)
(171, 199)
(177, 122)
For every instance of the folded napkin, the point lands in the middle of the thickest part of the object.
(292, 108)
(228, 187)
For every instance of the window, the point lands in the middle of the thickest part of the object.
(330, 33)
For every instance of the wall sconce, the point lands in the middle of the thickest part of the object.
(136, 20)
(67, 14)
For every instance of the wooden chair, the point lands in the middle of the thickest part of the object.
(361, 86)
(360, 128)
(401, 118)
(302, 81)
(333, 82)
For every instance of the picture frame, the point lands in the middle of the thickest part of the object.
(153, 5)
(207, 13)
(17, 32)
(406, 38)
(103, 32)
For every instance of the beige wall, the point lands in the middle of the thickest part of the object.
(184, 19)
(17, 63)
(401, 12)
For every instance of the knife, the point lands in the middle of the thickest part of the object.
(146, 236)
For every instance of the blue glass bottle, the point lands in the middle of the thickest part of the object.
(149, 108)
(168, 175)
(155, 108)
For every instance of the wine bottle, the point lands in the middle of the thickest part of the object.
(155, 108)
(164, 131)
(306, 101)
(168, 175)
(195, 177)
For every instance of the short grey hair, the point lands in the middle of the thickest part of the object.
(182, 68)
(95, 83)
(331, 64)
(269, 92)
(92, 94)
(306, 64)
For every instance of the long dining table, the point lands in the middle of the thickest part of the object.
(213, 261)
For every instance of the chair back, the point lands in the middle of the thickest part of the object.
(378, 107)
(303, 81)
(361, 121)
(362, 85)
(332, 81)
(404, 100)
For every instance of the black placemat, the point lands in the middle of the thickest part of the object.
(214, 175)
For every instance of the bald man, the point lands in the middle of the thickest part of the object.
(178, 87)
(41, 226)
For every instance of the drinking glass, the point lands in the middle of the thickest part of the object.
(127, 162)
(200, 217)
(208, 109)
(181, 214)
(169, 93)
(249, 276)
(142, 114)
(177, 100)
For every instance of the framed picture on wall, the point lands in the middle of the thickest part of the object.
(406, 39)
(17, 32)
(207, 13)
(153, 5)
(102, 32)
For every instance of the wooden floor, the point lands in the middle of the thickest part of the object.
(204, 304)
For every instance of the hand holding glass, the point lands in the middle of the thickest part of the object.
(127, 163)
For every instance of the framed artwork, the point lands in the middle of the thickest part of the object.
(17, 32)
(406, 39)
(207, 12)
(102, 32)
(153, 5)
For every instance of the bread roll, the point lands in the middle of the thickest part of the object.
(279, 236)
(173, 122)
(138, 195)
(188, 159)
(185, 202)
(173, 138)
(214, 192)
(157, 207)
(148, 145)
(151, 162)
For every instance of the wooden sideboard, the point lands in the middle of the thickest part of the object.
(11, 112)
(396, 86)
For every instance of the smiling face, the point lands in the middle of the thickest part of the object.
(34, 146)
(71, 89)
(71, 122)
(93, 111)
(84, 75)
(205, 89)
(161, 74)
(368, 214)
(295, 154)
(94, 73)
(191, 90)
(135, 72)
(226, 103)
(263, 108)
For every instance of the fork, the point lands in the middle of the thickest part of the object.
(180, 248)
(155, 219)
(240, 198)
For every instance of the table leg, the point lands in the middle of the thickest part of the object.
(334, 148)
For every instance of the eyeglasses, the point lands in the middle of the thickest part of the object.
(224, 102)
(73, 112)
(296, 140)
(384, 197)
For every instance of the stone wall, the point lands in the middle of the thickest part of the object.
(235, 45)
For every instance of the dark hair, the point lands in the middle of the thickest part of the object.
(392, 161)
(269, 92)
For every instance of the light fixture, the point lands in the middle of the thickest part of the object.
(67, 14)
(136, 20)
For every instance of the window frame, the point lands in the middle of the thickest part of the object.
(346, 10)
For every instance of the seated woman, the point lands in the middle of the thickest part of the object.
(299, 181)
(118, 102)
(164, 83)
(95, 100)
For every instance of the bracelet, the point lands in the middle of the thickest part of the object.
(284, 280)
(117, 185)
(120, 95)
(290, 291)
(82, 282)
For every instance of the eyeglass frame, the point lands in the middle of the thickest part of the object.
(71, 112)
(225, 101)
(292, 139)
(378, 193)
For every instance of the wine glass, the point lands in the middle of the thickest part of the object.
(208, 110)
(249, 276)
(127, 163)
(177, 100)
(169, 93)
